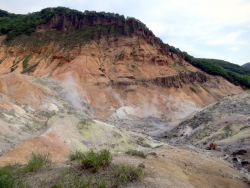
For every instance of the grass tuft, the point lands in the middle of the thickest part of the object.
(78, 155)
(36, 162)
(193, 90)
(123, 174)
(8, 177)
(95, 161)
(136, 153)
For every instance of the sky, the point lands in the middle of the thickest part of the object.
(218, 29)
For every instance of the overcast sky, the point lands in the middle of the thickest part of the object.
(218, 29)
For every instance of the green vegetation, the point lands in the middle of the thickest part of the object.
(193, 90)
(246, 65)
(124, 173)
(229, 66)
(36, 162)
(11, 176)
(14, 25)
(13, 69)
(75, 176)
(85, 123)
(231, 72)
(77, 155)
(8, 177)
(91, 160)
(26, 60)
(136, 153)
(120, 174)
(180, 63)
(27, 69)
(102, 69)
(215, 69)
(94, 161)
(1, 60)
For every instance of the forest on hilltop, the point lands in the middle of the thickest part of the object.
(247, 65)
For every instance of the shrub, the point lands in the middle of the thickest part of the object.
(124, 174)
(25, 61)
(95, 161)
(136, 153)
(36, 162)
(193, 90)
(78, 155)
(80, 182)
(8, 177)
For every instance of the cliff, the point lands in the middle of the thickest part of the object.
(129, 65)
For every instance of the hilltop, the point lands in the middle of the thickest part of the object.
(246, 65)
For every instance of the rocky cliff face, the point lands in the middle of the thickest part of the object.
(107, 24)
(125, 80)
(112, 71)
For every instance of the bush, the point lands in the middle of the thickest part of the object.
(25, 61)
(95, 161)
(78, 155)
(8, 177)
(36, 162)
(193, 90)
(123, 174)
(136, 153)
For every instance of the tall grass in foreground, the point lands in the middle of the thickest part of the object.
(36, 162)
(93, 161)
(91, 170)
(136, 153)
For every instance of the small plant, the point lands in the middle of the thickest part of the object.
(95, 161)
(1, 60)
(80, 182)
(102, 69)
(27, 69)
(193, 90)
(26, 60)
(74, 181)
(133, 52)
(78, 155)
(124, 174)
(36, 162)
(8, 177)
(84, 123)
(180, 62)
(136, 153)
